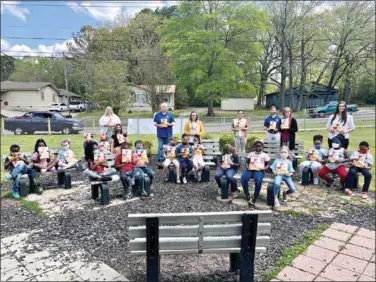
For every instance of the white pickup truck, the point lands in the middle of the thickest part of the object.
(77, 106)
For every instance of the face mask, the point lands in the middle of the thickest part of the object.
(284, 155)
(363, 151)
(335, 145)
(96, 152)
(317, 147)
(139, 147)
(65, 148)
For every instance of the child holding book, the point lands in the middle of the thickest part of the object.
(117, 139)
(104, 145)
(361, 161)
(170, 157)
(140, 160)
(41, 157)
(198, 160)
(184, 153)
(66, 156)
(282, 170)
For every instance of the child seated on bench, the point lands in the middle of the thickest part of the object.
(257, 163)
(282, 169)
(336, 158)
(98, 167)
(128, 173)
(229, 164)
(17, 164)
(140, 160)
(41, 157)
(170, 157)
(360, 161)
(104, 146)
(184, 153)
(87, 138)
(198, 160)
(315, 159)
(66, 156)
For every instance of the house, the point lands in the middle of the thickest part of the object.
(237, 103)
(315, 98)
(65, 96)
(31, 95)
(140, 94)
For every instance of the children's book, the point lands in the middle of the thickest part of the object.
(185, 152)
(142, 155)
(126, 155)
(43, 153)
(282, 168)
(120, 138)
(337, 127)
(88, 136)
(313, 155)
(194, 129)
(333, 155)
(197, 150)
(164, 122)
(272, 125)
(171, 152)
(285, 124)
(253, 163)
(360, 160)
(69, 156)
(226, 159)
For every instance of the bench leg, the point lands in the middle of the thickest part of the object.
(206, 174)
(248, 248)
(23, 188)
(105, 194)
(67, 181)
(147, 185)
(224, 188)
(94, 192)
(295, 163)
(152, 249)
(234, 262)
(60, 178)
(305, 176)
(171, 175)
(270, 194)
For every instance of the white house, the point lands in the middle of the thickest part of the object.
(31, 95)
(237, 103)
(140, 92)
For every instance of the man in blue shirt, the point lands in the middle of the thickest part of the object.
(164, 121)
(272, 125)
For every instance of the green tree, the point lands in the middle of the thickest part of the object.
(7, 67)
(208, 41)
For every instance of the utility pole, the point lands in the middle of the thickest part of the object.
(66, 85)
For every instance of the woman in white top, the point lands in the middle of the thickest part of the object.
(108, 122)
(340, 123)
(240, 127)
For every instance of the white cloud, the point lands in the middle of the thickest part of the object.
(42, 50)
(14, 9)
(109, 11)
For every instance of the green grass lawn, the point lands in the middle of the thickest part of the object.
(27, 142)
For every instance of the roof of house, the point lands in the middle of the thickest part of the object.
(14, 85)
(68, 93)
(160, 88)
(318, 89)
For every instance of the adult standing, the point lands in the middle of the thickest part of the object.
(240, 127)
(289, 126)
(193, 127)
(340, 123)
(108, 122)
(164, 121)
(272, 125)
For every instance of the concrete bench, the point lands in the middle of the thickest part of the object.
(240, 234)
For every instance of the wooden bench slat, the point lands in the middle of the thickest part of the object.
(192, 218)
(184, 243)
(192, 230)
(205, 251)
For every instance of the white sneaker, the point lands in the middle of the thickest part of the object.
(300, 182)
(276, 202)
(199, 176)
(316, 180)
(178, 180)
(364, 195)
(184, 180)
(43, 170)
(235, 195)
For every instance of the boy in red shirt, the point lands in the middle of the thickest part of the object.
(128, 173)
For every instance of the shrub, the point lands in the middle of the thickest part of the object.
(250, 141)
(229, 139)
(147, 146)
(207, 136)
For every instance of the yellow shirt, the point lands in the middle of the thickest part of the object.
(187, 127)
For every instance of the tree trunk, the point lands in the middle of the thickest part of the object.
(263, 79)
(283, 78)
(116, 110)
(210, 106)
(291, 80)
(331, 80)
(302, 77)
(347, 89)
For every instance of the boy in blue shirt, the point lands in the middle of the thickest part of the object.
(184, 153)
(272, 125)
(164, 121)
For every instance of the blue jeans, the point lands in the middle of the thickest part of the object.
(149, 172)
(230, 172)
(257, 176)
(186, 166)
(162, 141)
(277, 183)
(16, 173)
(352, 174)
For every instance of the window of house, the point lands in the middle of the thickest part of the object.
(53, 97)
(141, 98)
(42, 96)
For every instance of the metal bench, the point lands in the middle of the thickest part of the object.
(272, 148)
(240, 234)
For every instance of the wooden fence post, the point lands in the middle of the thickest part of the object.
(49, 126)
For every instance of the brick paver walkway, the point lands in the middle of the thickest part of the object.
(343, 253)
(21, 261)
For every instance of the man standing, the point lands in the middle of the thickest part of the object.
(164, 121)
(272, 125)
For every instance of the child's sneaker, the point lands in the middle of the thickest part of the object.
(348, 192)
(166, 179)
(253, 201)
(315, 181)
(178, 180)
(8, 177)
(276, 203)
(284, 196)
(364, 195)
(43, 170)
(127, 196)
(184, 180)
(16, 195)
(199, 176)
(300, 182)
(235, 194)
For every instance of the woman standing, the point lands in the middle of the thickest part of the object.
(193, 127)
(240, 127)
(289, 126)
(340, 123)
(108, 121)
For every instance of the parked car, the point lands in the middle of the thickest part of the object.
(38, 121)
(77, 106)
(329, 109)
(59, 107)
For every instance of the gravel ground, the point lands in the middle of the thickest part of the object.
(103, 232)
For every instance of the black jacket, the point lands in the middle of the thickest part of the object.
(293, 128)
(234, 159)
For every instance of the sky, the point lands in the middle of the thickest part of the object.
(21, 20)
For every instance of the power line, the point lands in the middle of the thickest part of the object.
(125, 5)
